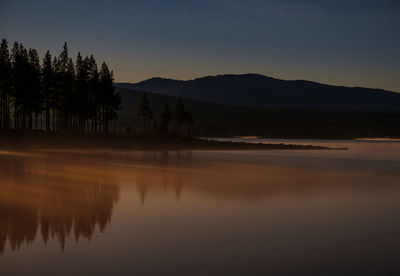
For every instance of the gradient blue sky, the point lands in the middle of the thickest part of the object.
(353, 42)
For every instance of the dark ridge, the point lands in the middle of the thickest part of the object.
(256, 90)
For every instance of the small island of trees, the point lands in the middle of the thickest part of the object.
(177, 118)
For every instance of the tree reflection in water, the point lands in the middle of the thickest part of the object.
(160, 170)
(55, 194)
(67, 194)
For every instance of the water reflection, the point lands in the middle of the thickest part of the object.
(63, 194)
(200, 212)
(250, 175)
(55, 195)
(156, 171)
(71, 193)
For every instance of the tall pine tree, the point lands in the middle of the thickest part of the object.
(21, 85)
(165, 118)
(144, 111)
(48, 89)
(5, 85)
(34, 104)
(179, 115)
(110, 99)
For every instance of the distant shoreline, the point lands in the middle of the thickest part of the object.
(250, 138)
(20, 140)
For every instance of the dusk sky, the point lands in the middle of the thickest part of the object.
(342, 42)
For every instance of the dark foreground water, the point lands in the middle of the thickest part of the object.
(202, 213)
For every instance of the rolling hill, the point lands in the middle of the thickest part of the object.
(254, 90)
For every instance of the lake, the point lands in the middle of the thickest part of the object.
(202, 212)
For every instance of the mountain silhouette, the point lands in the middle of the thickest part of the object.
(255, 90)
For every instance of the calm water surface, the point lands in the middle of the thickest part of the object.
(202, 212)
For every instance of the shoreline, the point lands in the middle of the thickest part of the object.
(43, 140)
(372, 138)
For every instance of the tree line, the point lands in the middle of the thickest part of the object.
(57, 93)
(179, 116)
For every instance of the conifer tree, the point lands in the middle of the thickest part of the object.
(65, 72)
(21, 81)
(56, 99)
(189, 121)
(81, 93)
(34, 102)
(144, 110)
(5, 85)
(94, 88)
(110, 100)
(48, 88)
(165, 118)
(179, 114)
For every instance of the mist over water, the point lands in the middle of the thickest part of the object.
(202, 212)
